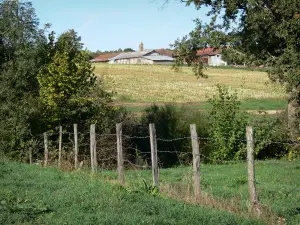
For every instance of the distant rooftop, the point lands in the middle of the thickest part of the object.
(104, 57)
(210, 51)
(127, 55)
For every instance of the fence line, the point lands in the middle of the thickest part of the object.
(97, 142)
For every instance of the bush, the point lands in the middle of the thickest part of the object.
(166, 122)
(171, 124)
(227, 126)
(270, 134)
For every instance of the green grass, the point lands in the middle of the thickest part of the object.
(278, 185)
(264, 104)
(248, 104)
(35, 195)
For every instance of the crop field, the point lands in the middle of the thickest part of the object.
(30, 194)
(137, 85)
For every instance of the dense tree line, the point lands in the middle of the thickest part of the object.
(45, 80)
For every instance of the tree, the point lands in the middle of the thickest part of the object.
(67, 81)
(44, 82)
(22, 52)
(128, 50)
(267, 31)
(93, 54)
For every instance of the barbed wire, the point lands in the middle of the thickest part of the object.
(71, 136)
(137, 166)
(135, 137)
(171, 140)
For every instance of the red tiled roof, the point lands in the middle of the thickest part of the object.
(105, 57)
(165, 52)
(208, 51)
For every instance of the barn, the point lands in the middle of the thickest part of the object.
(104, 58)
(141, 57)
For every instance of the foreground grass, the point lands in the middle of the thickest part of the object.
(152, 83)
(35, 195)
(278, 186)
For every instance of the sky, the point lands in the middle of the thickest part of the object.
(113, 24)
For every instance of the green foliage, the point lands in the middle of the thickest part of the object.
(22, 52)
(264, 33)
(44, 82)
(67, 81)
(227, 126)
(232, 56)
(270, 133)
(171, 123)
(128, 50)
(166, 122)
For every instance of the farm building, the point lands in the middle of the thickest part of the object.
(104, 58)
(142, 57)
(211, 56)
(159, 56)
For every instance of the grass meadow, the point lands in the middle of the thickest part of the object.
(31, 194)
(36, 195)
(142, 84)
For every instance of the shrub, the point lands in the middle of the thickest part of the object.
(270, 134)
(171, 124)
(227, 126)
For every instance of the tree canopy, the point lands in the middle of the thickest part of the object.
(44, 81)
(261, 32)
(22, 53)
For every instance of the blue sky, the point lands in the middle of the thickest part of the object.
(112, 24)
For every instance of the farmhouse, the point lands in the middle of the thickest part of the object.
(211, 56)
(142, 57)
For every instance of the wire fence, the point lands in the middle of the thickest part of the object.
(106, 145)
(118, 155)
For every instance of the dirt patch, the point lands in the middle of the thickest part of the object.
(265, 112)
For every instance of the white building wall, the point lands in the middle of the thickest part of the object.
(216, 60)
(131, 61)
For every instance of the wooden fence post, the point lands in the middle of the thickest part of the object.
(95, 150)
(153, 143)
(59, 146)
(92, 146)
(196, 160)
(251, 172)
(76, 146)
(30, 155)
(120, 153)
(46, 153)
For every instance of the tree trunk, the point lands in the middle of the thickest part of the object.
(293, 113)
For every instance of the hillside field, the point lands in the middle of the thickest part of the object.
(30, 194)
(140, 85)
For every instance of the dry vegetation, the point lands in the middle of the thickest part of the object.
(150, 83)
